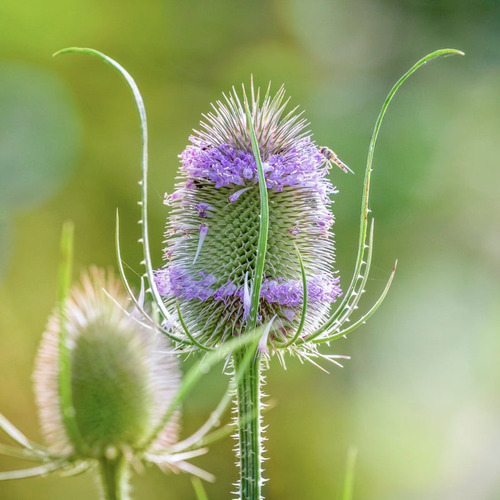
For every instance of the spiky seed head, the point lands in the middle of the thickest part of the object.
(212, 232)
(121, 375)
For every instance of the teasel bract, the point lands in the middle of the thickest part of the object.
(248, 243)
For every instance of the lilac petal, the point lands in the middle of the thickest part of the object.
(262, 347)
(226, 166)
(237, 194)
(247, 303)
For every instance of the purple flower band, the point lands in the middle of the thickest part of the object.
(174, 282)
(226, 166)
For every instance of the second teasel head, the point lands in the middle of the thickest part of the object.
(122, 376)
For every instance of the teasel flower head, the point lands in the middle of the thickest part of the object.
(212, 235)
(122, 377)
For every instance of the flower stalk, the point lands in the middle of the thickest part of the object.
(250, 446)
(114, 478)
(249, 414)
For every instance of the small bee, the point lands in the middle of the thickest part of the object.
(331, 157)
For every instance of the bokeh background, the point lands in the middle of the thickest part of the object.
(420, 398)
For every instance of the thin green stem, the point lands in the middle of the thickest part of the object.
(348, 488)
(114, 477)
(249, 428)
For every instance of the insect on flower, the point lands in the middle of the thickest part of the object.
(331, 157)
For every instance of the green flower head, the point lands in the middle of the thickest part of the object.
(122, 377)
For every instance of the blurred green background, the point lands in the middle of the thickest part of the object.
(420, 398)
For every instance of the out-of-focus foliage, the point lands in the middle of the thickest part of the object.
(420, 398)
(38, 134)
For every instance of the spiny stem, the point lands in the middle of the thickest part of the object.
(248, 386)
(114, 478)
(249, 428)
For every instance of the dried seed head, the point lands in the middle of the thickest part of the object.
(212, 234)
(122, 378)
